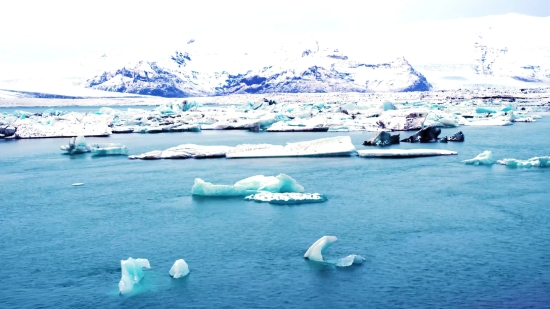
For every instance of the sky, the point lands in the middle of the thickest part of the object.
(43, 30)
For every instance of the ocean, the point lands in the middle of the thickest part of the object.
(435, 233)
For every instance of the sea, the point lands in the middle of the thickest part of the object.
(435, 233)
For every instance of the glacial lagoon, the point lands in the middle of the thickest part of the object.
(434, 231)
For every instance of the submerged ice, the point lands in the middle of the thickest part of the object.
(275, 184)
(132, 273)
(350, 260)
(179, 269)
(286, 198)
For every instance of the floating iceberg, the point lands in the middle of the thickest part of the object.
(106, 149)
(76, 145)
(536, 161)
(185, 151)
(484, 158)
(132, 273)
(315, 252)
(179, 269)
(286, 198)
(350, 260)
(498, 121)
(279, 184)
(404, 153)
(331, 146)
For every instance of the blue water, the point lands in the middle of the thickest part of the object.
(435, 233)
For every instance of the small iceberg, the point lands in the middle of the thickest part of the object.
(484, 158)
(132, 273)
(76, 145)
(108, 149)
(536, 161)
(403, 153)
(77, 184)
(349, 260)
(286, 198)
(281, 183)
(315, 252)
(179, 269)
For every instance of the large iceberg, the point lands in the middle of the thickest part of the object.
(404, 153)
(484, 158)
(185, 151)
(286, 198)
(536, 161)
(179, 269)
(275, 184)
(76, 145)
(315, 252)
(331, 146)
(132, 273)
(350, 260)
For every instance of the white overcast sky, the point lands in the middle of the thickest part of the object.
(52, 29)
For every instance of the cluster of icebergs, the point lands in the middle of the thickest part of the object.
(261, 116)
(486, 158)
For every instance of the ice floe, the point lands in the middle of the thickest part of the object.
(286, 198)
(132, 273)
(179, 269)
(108, 149)
(484, 158)
(404, 153)
(536, 161)
(274, 184)
(184, 151)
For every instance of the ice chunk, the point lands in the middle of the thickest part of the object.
(331, 146)
(76, 145)
(401, 153)
(106, 149)
(498, 121)
(484, 158)
(315, 252)
(286, 198)
(77, 184)
(132, 273)
(184, 151)
(260, 183)
(536, 161)
(350, 260)
(179, 269)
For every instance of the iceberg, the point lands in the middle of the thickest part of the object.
(132, 273)
(76, 145)
(350, 260)
(184, 151)
(286, 198)
(315, 252)
(331, 146)
(484, 158)
(179, 269)
(536, 161)
(106, 149)
(404, 153)
(275, 184)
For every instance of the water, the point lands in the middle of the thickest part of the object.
(435, 233)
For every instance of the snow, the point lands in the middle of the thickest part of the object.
(402, 153)
(484, 158)
(132, 273)
(286, 198)
(179, 269)
(315, 252)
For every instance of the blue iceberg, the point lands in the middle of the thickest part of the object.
(132, 273)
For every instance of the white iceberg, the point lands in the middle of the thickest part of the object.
(184, 151)
(401, 153)
(106, 149)
(484, 158)
(132, 273)
(315, 252)
(76, 145)
(536, 161)
(286, 198)
(350, 260)
(276, 184)
(331, 146)
(179, 269)
(497, 121)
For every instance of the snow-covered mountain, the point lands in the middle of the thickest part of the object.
(494, 51)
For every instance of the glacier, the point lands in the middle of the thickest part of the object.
(179, 269)
(484, 158)
(315, 252)
(132, 273)
(275, 184)
(286, 198)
